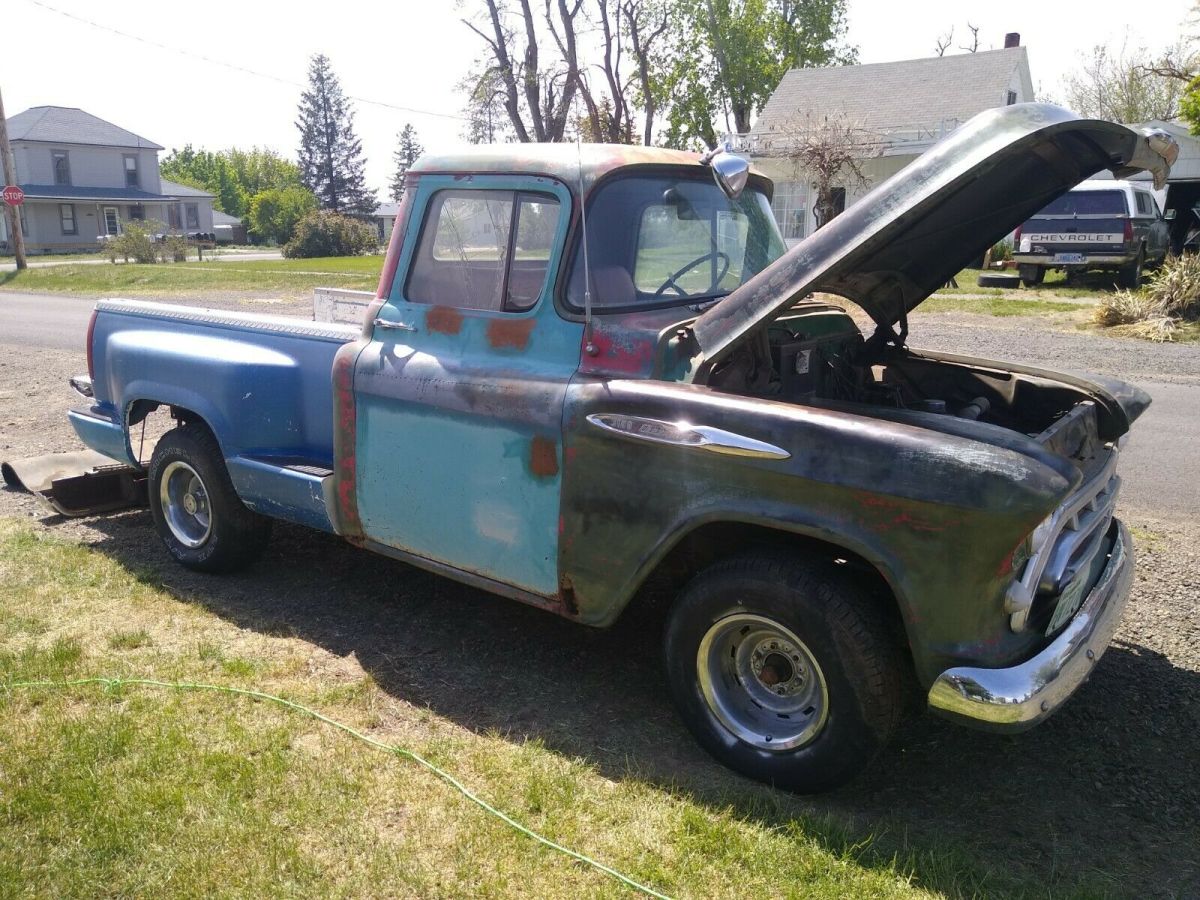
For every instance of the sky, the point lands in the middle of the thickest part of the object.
(408, 55)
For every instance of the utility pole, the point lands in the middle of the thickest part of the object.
(10, 177)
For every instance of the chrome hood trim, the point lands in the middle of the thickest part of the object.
(911, 234)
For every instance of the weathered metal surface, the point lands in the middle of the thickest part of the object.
(937, 512)
(458, 423)
(340, 305)
(909, 235)
(82, 483)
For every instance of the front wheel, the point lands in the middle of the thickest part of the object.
(196, 510)
(784, 671)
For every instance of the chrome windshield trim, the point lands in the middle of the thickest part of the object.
(683, 434)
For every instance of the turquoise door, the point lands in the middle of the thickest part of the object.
(460, 393)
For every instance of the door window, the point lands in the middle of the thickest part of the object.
(112, 221)
(66, 217)
(482, 249)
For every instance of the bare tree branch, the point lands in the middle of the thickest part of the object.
(943, 44)
(974, 29)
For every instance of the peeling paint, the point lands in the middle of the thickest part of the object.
(543, 457)
(443, 320)
(511, 334)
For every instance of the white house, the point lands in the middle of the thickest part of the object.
(902, 108)
(84, 178)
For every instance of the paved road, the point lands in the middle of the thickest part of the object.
(1161, 478)
(226, 256)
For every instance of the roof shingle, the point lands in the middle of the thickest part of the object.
(935, 94)
(66, 125)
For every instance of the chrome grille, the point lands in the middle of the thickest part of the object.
(1077, 532)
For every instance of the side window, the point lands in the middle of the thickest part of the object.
(483, 249)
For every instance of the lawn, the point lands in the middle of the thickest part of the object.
(265, 276)
(132, 791)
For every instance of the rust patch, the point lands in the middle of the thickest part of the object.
(543, 457)
(566, 594)
(443, 320)
(512, 334)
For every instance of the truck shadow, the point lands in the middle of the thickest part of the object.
(1105, 793)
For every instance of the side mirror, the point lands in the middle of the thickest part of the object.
(1169, 215)
(730, 172)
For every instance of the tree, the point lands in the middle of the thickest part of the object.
(274, 212)
(331, 157)
(734, 53)
(232, 176)
(831, 151)
(485, 105)
(1124, 84)
(404, 156)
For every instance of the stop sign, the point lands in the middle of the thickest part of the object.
(13, 195)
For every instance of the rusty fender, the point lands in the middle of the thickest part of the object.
(938, 515)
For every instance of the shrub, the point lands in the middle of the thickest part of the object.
(1156, 310)
(136, 242)
(1002, 251)
(174, 248)
(275, 212)
(326, 233)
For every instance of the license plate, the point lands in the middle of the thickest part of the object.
(1068, 257)
(1069, 602)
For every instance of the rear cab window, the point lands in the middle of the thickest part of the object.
(1088, 203)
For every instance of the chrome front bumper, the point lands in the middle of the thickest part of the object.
(1021, 696)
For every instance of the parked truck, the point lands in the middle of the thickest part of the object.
(590, 367)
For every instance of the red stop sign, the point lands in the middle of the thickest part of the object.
(13, 195)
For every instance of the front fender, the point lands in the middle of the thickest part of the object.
(938, 515)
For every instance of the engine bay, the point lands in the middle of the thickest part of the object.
(816, 355)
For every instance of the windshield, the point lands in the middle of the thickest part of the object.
(664, 240)
(1087, 203)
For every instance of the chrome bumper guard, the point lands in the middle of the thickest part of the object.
(1021, 696)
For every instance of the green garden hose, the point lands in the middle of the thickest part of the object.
(110, 683)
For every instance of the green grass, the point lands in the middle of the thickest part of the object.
(132, 792)
(996, 305)
(266, 276)
(1055, 285)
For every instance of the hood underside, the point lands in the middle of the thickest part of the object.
(915, 231)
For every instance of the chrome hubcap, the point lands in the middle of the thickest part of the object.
(185, 505)
(761, 682)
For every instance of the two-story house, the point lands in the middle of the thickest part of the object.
(897, 109)
(84, 178)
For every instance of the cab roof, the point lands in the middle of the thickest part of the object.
(568, 163)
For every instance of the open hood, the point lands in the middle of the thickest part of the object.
(911, 234)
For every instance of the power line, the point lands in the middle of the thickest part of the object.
(236, 68)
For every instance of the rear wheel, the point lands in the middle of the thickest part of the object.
(196, 512)
(784, 671)
(1130, 276)
(1031, 275)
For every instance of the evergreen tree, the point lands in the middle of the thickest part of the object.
(331, 158)
(406, 154)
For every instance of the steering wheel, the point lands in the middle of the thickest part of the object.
(672, 281)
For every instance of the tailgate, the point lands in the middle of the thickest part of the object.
(1047, 236)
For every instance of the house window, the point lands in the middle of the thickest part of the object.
(137, 212)
(131, 170)
(112, 221)
(1012, 98)
(173, 216)
(790, 204)
(66, 216)
(62, 167)
(192, 210)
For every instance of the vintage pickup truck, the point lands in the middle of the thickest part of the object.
(592, 368)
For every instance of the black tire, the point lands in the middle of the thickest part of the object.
(1131, 276)
(225, 536)
(1031, 275)
(841, 628)
(999, 280)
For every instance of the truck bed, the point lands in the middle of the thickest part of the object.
(263, 384)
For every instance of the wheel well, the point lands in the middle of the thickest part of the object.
(140, 409)
(719, 540)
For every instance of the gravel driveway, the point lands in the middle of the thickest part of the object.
(1108, 788)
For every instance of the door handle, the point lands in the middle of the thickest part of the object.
(394, 326)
